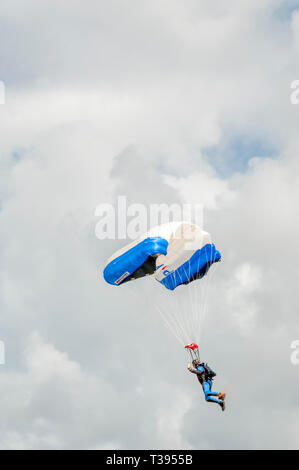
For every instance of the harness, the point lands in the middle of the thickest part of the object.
(208, 374)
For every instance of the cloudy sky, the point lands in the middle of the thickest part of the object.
(160, 101)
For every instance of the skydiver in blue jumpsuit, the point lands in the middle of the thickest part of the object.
(205, 377)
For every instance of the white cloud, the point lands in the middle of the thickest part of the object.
(295, 27)
(204, 188)
(170, 419)
(245, 281)
(46, 363)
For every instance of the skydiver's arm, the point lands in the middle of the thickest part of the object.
(198, 371)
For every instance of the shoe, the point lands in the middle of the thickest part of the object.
(222, 404)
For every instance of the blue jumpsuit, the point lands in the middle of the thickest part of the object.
(206, 385)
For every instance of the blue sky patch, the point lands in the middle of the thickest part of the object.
(284, 11)
(232, 156)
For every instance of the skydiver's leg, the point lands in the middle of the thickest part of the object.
(209, 394)
(214, 394)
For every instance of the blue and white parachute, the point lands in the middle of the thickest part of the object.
(174, 254)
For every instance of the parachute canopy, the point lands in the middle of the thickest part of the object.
(174, 254)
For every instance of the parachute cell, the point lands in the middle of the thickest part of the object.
(134, 261)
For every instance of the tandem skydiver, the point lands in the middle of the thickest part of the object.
(205, 377)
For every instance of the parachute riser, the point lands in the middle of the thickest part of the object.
(194, 355)
(193, 351)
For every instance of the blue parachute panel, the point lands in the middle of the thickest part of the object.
(195, 268)
(129, 262)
